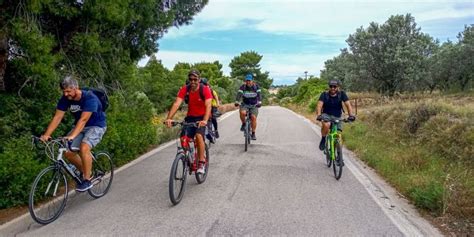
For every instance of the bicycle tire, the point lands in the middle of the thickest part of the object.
(179, 165)
(247, 134)
(328, 152)
(102, 174)
(338, 162)
(50, 178)
(200, 178)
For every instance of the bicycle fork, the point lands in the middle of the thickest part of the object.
(55, 182)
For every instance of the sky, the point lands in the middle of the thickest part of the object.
(297, 36)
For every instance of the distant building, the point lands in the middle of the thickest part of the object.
(273, 90)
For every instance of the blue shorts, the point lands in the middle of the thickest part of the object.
(90, 135)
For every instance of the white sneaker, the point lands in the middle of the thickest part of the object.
(201, 169)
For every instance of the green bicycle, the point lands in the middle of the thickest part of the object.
(333, 150)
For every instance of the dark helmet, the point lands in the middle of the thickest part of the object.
(334, 82)
(204, 81)
(194, 72)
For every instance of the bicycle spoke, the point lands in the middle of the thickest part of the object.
(46, 206)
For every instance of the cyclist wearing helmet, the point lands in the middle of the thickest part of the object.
(330, 107)
(199, 110)
(250, 94)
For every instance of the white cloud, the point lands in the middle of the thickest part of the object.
(323, 21)
(327, 18)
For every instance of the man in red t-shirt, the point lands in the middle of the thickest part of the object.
(198, 111)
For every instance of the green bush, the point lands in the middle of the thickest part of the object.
(19, 165)
(130, 130)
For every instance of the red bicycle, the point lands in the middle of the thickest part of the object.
(186, 162)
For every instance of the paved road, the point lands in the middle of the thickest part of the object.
(281, 186)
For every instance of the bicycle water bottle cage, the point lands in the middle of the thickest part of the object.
(185, 140)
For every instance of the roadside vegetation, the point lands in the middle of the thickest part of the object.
(415, 104)
(101, 43)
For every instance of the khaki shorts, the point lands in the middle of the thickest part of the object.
(253, 110)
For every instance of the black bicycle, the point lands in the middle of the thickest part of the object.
(248, 125)
(186, 161)
(49, 191)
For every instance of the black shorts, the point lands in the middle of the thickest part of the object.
(190, 131)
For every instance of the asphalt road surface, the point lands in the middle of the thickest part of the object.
(280, 186)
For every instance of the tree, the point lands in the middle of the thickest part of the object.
(343, 68)
(465, 58)
(391, 56)
(249, 62)
(94, 39)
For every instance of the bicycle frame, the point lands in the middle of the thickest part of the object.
(333, 137)
(59, 161)
(248, 117)
(185, 148)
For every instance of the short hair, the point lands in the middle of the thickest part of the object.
(68, 82)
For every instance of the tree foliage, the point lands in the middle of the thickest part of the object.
(249, 62)
(397, 57)
(100, 42)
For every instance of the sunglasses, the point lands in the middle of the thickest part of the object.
(332, 86)
(193, 79)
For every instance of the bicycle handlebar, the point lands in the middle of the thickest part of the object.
(345, 120)
(183, 123)
(61, 140)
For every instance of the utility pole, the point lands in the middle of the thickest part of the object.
(305, 75)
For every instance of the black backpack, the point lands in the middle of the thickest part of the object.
(102, 95)
(201, 92)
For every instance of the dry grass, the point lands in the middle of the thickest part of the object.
(424, 146)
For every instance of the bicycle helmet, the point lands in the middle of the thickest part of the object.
(334, 82)
(194, 72)
(249, 77)
(204, 81)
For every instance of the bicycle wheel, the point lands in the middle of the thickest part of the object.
(338, 162)
(102, 174)
(48, 195)
(200, 178)
(247, 134)
(178, 177)
(327, 152)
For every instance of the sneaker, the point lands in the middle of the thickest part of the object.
(242, 128)
(217, 134)
(253, 136)
(322, 144)
(201, 169)
(211, 138)
(84, 186)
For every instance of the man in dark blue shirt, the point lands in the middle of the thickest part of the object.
(89, 126)
(250, 94)
(330, 107)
